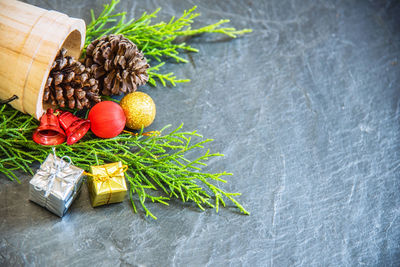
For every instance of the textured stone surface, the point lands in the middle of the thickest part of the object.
(306, 110)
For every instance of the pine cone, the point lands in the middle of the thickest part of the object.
(70, 83)
(117, 63)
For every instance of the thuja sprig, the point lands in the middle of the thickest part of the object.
(158, 163)
(158, 41)
(163, 78)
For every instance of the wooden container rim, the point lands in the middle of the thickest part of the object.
(77, 30)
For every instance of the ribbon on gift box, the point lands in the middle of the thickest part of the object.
(107, 177)
(55, 171)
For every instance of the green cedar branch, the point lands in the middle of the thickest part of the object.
(159, 41)
(159, 169)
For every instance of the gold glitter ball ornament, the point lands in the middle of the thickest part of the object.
(139, 109)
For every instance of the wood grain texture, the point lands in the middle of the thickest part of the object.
(30, 40)
(306, 110)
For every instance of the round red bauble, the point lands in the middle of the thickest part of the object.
(107, 119)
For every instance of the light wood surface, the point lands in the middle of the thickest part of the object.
(29, 42)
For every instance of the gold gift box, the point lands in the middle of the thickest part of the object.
(107, 184)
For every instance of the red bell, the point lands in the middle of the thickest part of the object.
(49, 132)
(74, 127)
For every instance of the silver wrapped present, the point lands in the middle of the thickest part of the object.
(56, 184)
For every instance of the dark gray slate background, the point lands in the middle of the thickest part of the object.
(306, 110)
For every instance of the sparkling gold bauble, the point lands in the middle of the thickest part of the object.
(139, 109)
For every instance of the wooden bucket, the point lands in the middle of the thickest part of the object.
(30, 38)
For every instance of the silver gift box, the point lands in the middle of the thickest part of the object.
(56, 184)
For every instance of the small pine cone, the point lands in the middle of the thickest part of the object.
(70, 84)
(117, 63)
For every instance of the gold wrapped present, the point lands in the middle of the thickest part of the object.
(107, 184)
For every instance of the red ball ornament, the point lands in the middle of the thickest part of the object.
(107, 119)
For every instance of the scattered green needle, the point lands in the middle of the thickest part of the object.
(158, 168)
(158, 41)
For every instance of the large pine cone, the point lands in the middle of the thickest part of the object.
(70, 83)
(117, 63)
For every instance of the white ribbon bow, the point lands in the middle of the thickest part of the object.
(58, 167)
